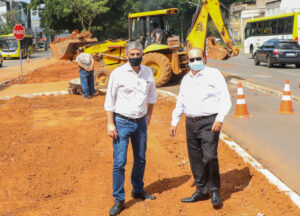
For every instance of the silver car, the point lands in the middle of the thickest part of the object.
(1, 60)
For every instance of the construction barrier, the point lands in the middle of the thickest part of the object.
(241, 110)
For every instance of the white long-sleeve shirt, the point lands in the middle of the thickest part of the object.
(204, 94)
(129, 92)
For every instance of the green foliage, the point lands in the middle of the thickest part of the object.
(69, 14)
(11, 21)
(109, 18)
(114, 23)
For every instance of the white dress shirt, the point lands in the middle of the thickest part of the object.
(204, 94)
(129, 92)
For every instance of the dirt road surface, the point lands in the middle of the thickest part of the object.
(56, 159)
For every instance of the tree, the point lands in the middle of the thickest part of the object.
(69, 14)
(8, 21)
(87, 11)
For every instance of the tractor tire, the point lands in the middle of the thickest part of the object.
(101, 78)
(161, 67)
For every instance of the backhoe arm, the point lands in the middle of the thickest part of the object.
(198, 34)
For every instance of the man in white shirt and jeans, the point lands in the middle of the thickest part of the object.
(85, 63)
(130, 88)
(205, 100)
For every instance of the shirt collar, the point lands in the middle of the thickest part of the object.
(130, 69)
(200, 73)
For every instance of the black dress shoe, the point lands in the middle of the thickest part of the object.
(197, 196)
(117, 208)
(142, 195)
(215, 198)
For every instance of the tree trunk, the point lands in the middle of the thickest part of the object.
(82, 24)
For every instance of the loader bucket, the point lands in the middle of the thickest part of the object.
(66, 48)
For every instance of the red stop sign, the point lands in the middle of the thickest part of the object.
(19, 32)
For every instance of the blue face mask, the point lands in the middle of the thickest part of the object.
(196, 65)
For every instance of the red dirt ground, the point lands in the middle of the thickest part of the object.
(56, 159)
(61, 71)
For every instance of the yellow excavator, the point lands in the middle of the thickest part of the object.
(165, 55)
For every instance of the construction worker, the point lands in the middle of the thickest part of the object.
(130, 88)
(86, 69)
(156, 33)
(205, 100)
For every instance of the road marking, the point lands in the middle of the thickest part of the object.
(260, 76)
(290, 73)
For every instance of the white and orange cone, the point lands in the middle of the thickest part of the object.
(286, 106)
(241, 110)
(27, 61)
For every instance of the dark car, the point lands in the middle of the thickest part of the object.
(278, 51)
(1, 60)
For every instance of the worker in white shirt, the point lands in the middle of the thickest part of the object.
(130, 88)
(205, 101)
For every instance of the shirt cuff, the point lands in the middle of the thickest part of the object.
(220, 118)
(151, 100)
(109, 109)
(175, 122)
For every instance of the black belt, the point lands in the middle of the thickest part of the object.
(193, 119)
(127, 118)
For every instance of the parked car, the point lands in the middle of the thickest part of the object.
(278, 51)
(1, 60)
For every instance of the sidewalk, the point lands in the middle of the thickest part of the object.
(14, 71)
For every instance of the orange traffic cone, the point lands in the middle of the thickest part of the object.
(27, 59)
(241, 110)
(286, 106)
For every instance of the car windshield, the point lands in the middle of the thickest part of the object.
(8, 44)
(288, 45)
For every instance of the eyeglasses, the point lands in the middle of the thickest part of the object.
(195, 59)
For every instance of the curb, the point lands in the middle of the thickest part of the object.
(254, 163)
(261, 88)
(56, 93)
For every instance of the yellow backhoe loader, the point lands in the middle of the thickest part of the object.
(165, 55)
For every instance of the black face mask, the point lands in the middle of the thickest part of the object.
(135, 61)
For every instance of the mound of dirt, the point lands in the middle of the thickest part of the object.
(60, 71)
(56, 159)
(216, 51)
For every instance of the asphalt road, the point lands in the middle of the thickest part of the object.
(16, 61)
(272, 138)
(242, 66)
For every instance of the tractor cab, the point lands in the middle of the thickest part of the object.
(150, 27)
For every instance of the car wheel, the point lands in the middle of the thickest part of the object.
(269, 63)
(297, 65)
(1, 65)
(256, 62)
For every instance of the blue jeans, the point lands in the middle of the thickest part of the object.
(87, 82)
(137, 133)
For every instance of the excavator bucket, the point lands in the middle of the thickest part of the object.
(65, 48)
(216, 51)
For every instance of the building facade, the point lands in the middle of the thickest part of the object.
(23, 13)
(240, 13)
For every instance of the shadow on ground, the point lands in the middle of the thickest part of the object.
(161, 186)
(234, 181)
